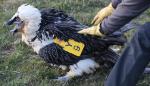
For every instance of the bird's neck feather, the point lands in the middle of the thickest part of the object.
(30, 33)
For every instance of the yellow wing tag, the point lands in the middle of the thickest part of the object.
(70, 46)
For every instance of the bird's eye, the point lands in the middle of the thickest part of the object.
(17, 18)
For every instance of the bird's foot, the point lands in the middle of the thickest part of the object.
(63, 78)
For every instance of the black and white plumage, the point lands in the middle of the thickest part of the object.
(40, 27)
(60, 25)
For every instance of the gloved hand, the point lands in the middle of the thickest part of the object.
(94, 30)
(103, 13)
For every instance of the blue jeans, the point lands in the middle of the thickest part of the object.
(133, 61)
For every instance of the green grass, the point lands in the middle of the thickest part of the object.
(20, 66)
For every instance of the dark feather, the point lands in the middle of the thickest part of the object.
(64, 27)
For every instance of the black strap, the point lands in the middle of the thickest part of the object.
(33, 39)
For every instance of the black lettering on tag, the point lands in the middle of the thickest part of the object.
(77, 48)
(68, 44)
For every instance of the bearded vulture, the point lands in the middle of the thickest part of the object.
(53, 36)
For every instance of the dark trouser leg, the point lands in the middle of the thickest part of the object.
(133, 61)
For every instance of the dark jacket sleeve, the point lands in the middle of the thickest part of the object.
(115, 3)
(125, 12)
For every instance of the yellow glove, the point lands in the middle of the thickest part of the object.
(94, 30)
(103, 13)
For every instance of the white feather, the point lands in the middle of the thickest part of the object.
(31, 16)
(83, 66)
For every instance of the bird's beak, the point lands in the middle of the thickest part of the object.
(18, 24)
(10, 21)
(14, 31)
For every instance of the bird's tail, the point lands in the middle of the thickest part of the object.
(107, 58)
(117, 37)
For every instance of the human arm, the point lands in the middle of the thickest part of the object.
(105, 12)
(125, 12)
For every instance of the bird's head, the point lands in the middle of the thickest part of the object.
(27, 18)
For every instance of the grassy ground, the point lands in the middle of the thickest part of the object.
(20, 66)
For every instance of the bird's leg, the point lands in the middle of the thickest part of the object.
(63, 67)
(83, 66)
(69, 75)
